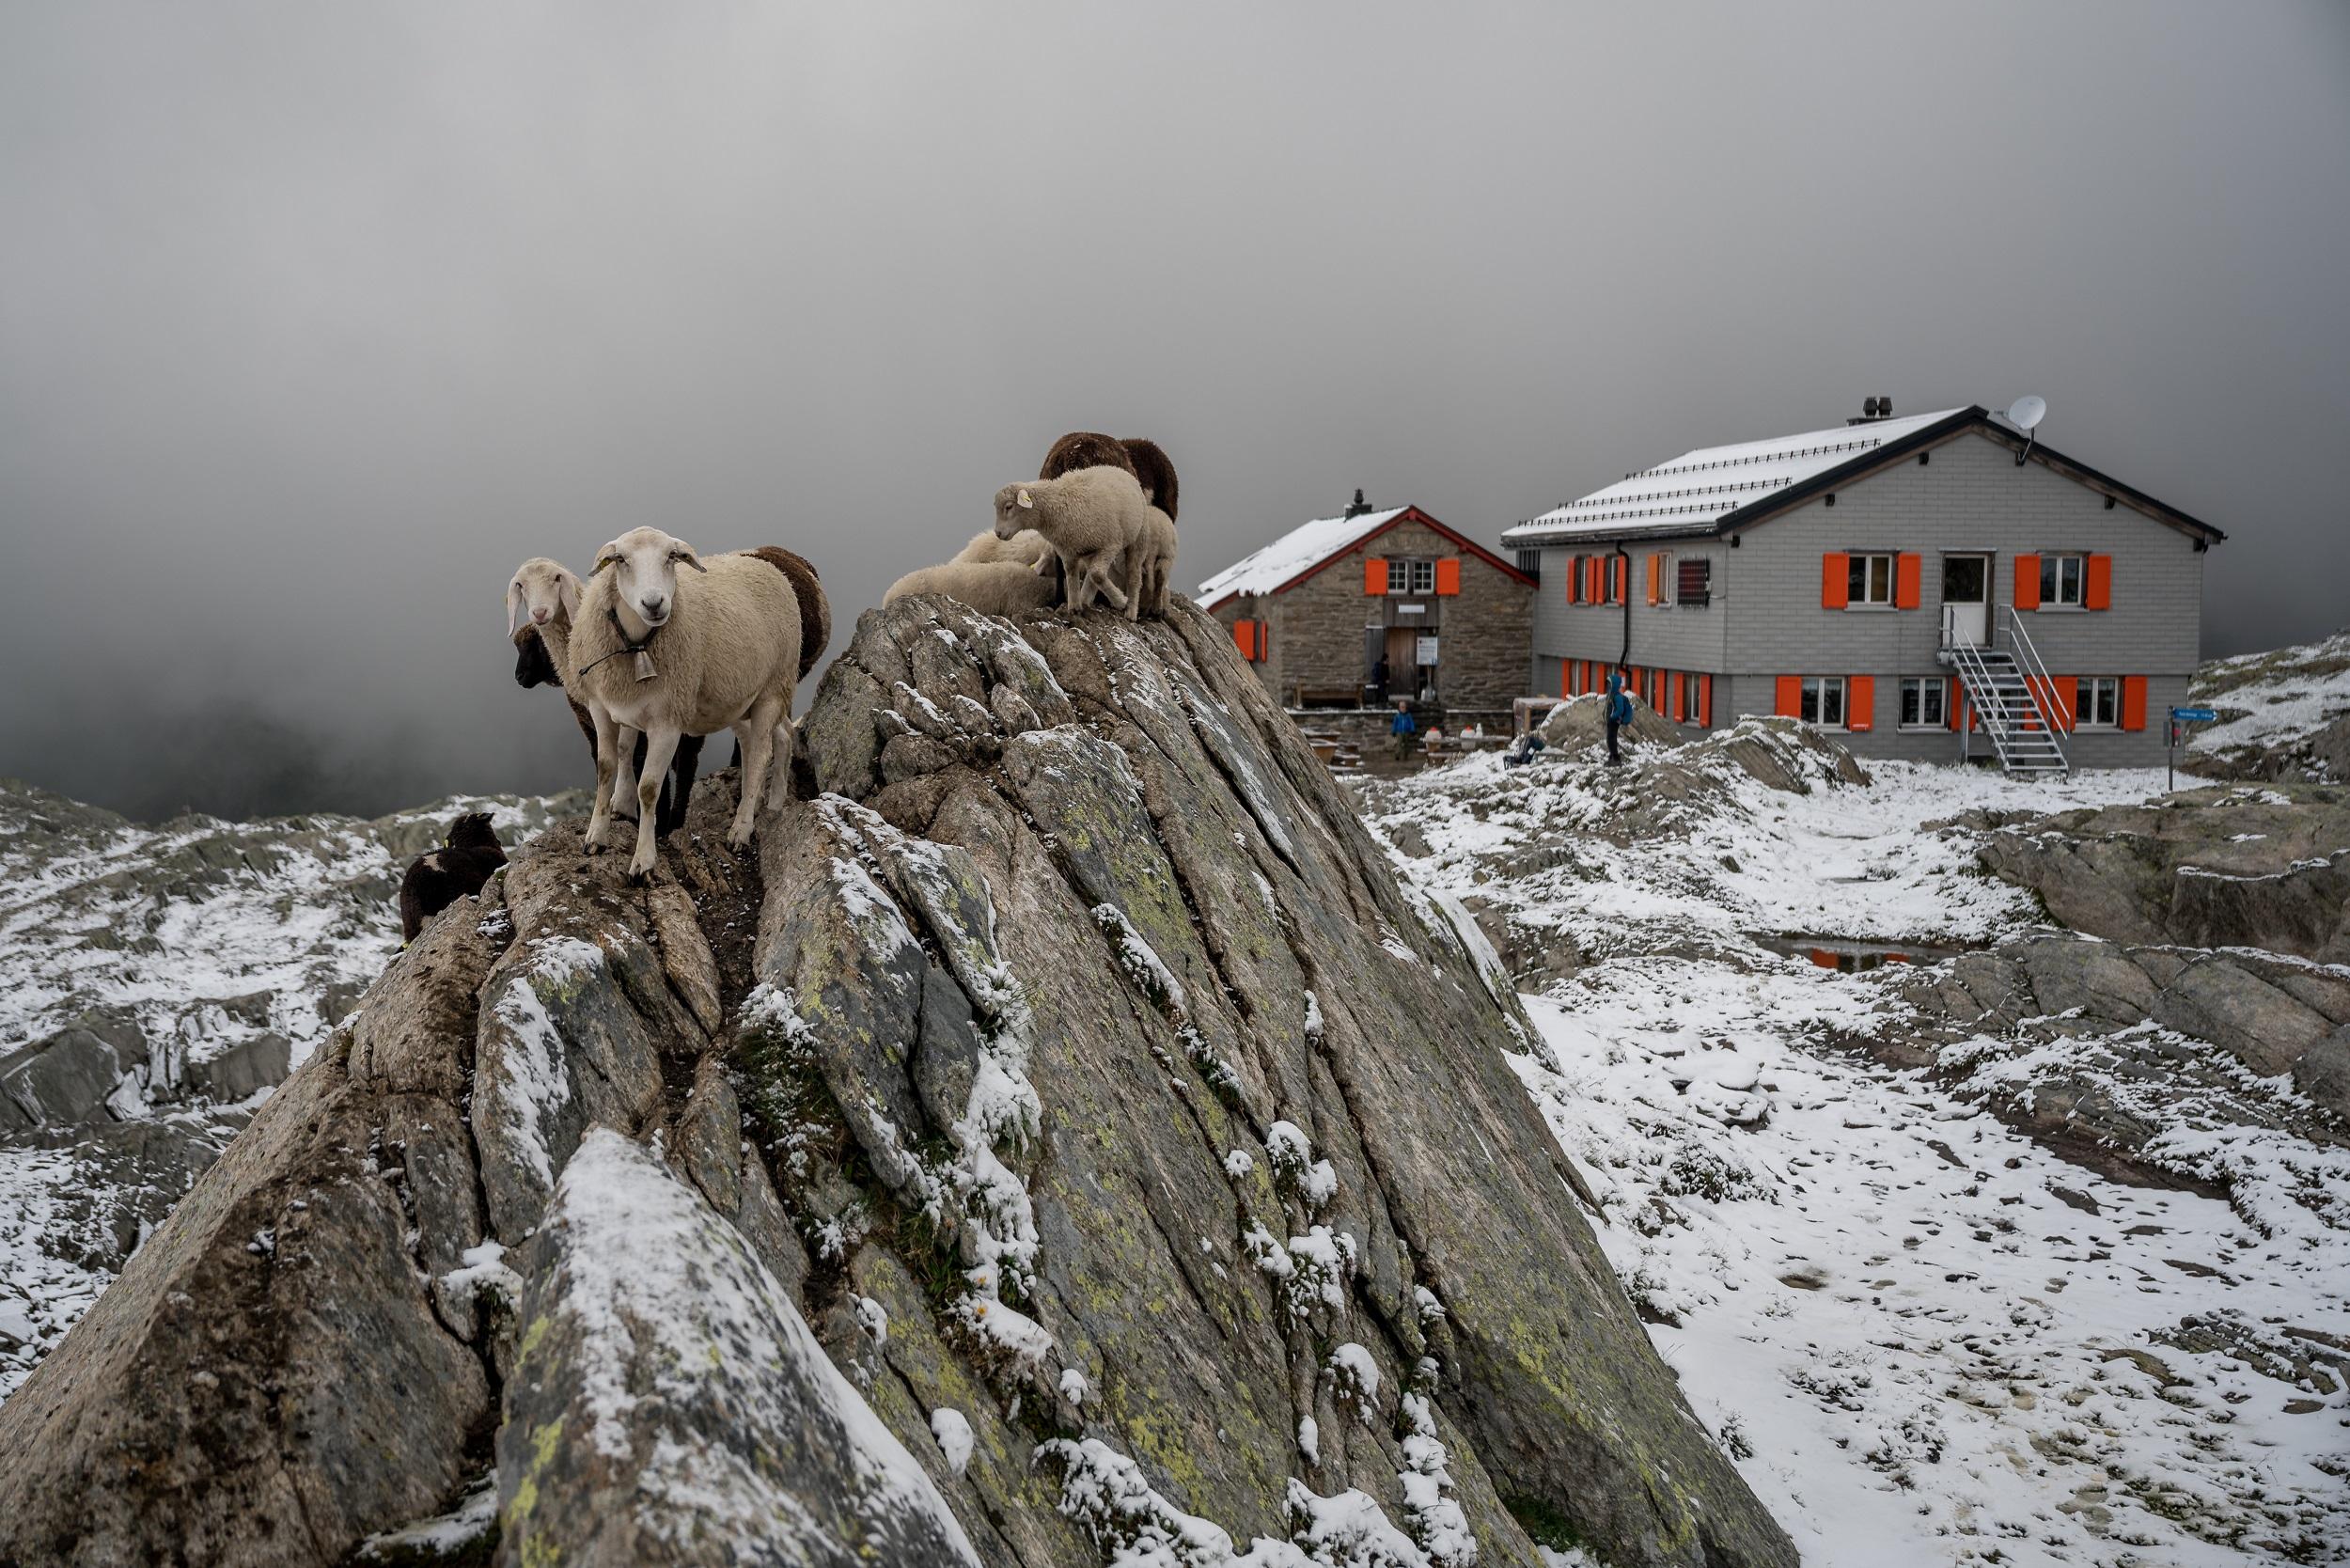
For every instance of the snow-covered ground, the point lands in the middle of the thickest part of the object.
(2279, 703)
(1925, 1337)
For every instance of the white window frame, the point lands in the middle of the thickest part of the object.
(1858, 562)
(1411, 575)
(2052, 565)
(1668, 590)
(2087, 689)
(1940, 686)
(1815, 703)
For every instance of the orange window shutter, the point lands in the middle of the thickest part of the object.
(1835, 579)
(1681, 699)
(1705, 701)
(1375, 576)
(1245, 638)
(1575, 579)
(2133, 702)
(1659, 683)
(2061, 690)
(1449, 575)
(2097, 593)
(2028, 582)
(1860, 702)
(1790, 704)
(1906, 571)
(1957, 706)
(1264, 641)
(1566, 677)
(1655, 577)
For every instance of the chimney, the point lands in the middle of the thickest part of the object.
(1356, 507)
(1871, 410)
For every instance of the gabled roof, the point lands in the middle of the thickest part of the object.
(1310, 547)
(1716, 489)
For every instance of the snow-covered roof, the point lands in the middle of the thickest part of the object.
(1299, 550)
(1697, 489)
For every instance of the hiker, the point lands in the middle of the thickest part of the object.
(1619, 715)
(1379, 682)
(1523, 750)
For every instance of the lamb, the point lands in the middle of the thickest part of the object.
(456, 870)
(1026, 548)
(665, 655)
(1151, 566)
(1007, 588)
(1092, 518)
(540, 600)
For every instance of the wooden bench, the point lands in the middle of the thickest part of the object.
(1331, 697)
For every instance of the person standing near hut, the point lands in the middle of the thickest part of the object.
(1619, 715)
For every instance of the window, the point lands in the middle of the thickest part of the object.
(1693, 580)
(1869, 580)
(2097, 702)
(1823, 698)
(1925, 702)
(1617, 567)
(2061, 579)
(1407, 575)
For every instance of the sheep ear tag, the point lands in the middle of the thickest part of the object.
(644, 666)
(1026, 499)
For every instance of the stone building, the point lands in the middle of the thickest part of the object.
(1934, 588)
(1318, 610)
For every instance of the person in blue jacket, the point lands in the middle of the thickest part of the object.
(1619, 715)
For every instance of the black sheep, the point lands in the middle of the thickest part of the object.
(535, 667)
(455, 870)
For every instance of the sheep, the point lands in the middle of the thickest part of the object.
(1092, 517)
(456, 870)
(668, 654)
(1153, 469)
(540, 600)
(1026, 548)
(814, 610)
(1086, 449)
(1150, 565)
(991, 588)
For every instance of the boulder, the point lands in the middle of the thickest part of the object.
(240, 1070)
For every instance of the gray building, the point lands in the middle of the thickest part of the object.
(1935, 587)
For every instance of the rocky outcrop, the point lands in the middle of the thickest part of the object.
(1066, 1137)
(2283, 714)
(2211, 868)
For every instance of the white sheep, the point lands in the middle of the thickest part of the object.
(1150, 565)
(1007, 588)
(1092, 518)
(1028, 548)
(666, 654)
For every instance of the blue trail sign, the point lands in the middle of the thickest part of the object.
(2195, 715)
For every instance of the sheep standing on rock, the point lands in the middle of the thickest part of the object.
(1150, 565)
(455, 870)
(666, 653)
(540, 600)
(1093, 518)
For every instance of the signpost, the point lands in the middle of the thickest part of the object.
(2179, 716)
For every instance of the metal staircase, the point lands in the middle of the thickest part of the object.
(2008, 691)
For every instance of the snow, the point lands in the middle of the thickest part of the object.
(434, 1539)
(2273, 699)
(1902, 1320)
(953, 1431)
(1357, 1374)
(1300, 550)
(1073, 1385)
(1696, 489)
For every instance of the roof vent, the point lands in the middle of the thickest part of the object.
(1356, 507)
(1871, 410)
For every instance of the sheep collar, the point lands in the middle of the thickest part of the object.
(645, 671)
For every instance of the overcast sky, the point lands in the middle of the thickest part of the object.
(315, 320)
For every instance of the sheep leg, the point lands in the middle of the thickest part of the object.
(607, 766)
(1137, 578)
(779, 763)
(756, 731)
(624, 783)
(1097, 584)
(659, 747)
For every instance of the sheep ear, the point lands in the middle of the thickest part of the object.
(685, 553)
(1026, 499)
(566, 594)
(605, 557)
(513, 609)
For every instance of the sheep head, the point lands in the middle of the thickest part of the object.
(1015, 508)
(643, 563)
(541, 590)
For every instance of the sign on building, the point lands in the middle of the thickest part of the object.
(1427, 652)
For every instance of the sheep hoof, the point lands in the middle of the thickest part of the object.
(641, 866)
(739, 836)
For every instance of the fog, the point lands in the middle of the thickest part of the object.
(314, 321)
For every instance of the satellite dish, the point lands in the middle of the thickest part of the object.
(2025, 412)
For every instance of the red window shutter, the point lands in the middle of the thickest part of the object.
(1264, 641)
(2028, 582)
(1835, 579)
(1449, 575)
(1655, 578)
(1957, 703)
(1680, 685)
(2060, 689)
(1790, 704)
(2133, 702)
(1660, 681)
(1705, 701)
(1906, 571)
(1860, 702)
(1575, 579)
(1375, 576)
(2097, 593)
(1245, 638)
